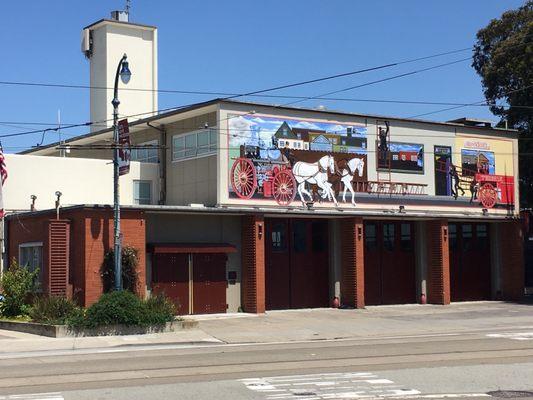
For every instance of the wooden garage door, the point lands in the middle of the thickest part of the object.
(389, 263)
(209, 283)
(470, 266)
(198, 277)
(170, 276)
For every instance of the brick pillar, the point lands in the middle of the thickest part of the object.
(58, 257)
(512, 261)
(353, 263)
(253, 263)
(438, 262)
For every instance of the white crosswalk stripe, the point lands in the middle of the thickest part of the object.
(34, 396)
(512, 335)
(357, 385)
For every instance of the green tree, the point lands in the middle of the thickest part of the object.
(503, 57)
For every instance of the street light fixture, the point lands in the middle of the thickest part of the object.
(124, 72)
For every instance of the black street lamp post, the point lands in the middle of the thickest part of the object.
(125, 74)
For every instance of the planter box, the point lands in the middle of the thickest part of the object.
(63, 330)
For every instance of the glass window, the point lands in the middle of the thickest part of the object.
(406, 242)
(147, 153)
(194, 144)
(467, 236)
(279, 237)
(388, 236)
(452, 234)
(319, 231)
(142, 192)
(31, 255)
(370, 236)
(299, 230)
(482, 236)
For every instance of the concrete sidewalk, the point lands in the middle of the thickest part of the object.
(302, 325)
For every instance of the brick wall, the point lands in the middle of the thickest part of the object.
(24, 230)
(253, 263)
(512, 261)
(91, 235)
(353, 263)
(438, 262)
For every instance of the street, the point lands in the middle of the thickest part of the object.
(466, 359)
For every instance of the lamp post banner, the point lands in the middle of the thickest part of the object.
(124, 151)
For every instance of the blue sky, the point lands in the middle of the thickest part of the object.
(242, 45)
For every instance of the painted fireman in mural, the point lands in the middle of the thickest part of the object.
(291, 160)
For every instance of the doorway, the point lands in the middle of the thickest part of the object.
(443, 160)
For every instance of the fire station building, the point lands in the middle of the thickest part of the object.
(253, 207)
(245, 206)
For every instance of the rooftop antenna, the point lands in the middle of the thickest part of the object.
(61, 151)
(128, 6)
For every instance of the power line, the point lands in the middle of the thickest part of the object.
(234, 95)
(470, 104)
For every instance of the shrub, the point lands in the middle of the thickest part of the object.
(159, 309)
(122, 307)
(52, 310)
(130, 261)
(18, 283)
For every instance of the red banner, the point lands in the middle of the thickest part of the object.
(124, 151)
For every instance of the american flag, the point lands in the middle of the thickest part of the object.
(3, 177)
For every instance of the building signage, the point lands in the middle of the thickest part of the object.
(124, 151)
(476, 144)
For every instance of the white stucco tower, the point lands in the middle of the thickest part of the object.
(103, 43)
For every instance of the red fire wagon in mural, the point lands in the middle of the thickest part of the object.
(264, 171)
(494, 189)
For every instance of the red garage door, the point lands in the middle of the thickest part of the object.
(194, 277)
(170, 276)
(297, 263)
(470, 267)
(389, 263)
(209, 283)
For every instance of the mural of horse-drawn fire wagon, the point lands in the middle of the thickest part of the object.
(486, 187)
(278, 159)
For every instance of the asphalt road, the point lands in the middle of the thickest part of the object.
(457, 365)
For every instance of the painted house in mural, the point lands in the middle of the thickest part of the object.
(254, 207)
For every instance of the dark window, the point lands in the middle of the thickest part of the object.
(406, 240)
(467, 237)
(320, 236)
(279, 237)
(370, 236)
(452, 234)
(482, 236)
(388, 236)
(299, 230)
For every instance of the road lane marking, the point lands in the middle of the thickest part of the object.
(512, 335)
(328, 386)
(34, 396)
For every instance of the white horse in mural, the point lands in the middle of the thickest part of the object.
(353, 166)
(315, 173)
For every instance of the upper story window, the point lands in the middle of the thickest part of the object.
(142, 192)
(194, 144)
(146, 154)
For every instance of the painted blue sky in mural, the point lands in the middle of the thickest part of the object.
(242, 127)
(488, 154)
(396, 147)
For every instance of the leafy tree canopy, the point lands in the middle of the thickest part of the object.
(503, 57)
